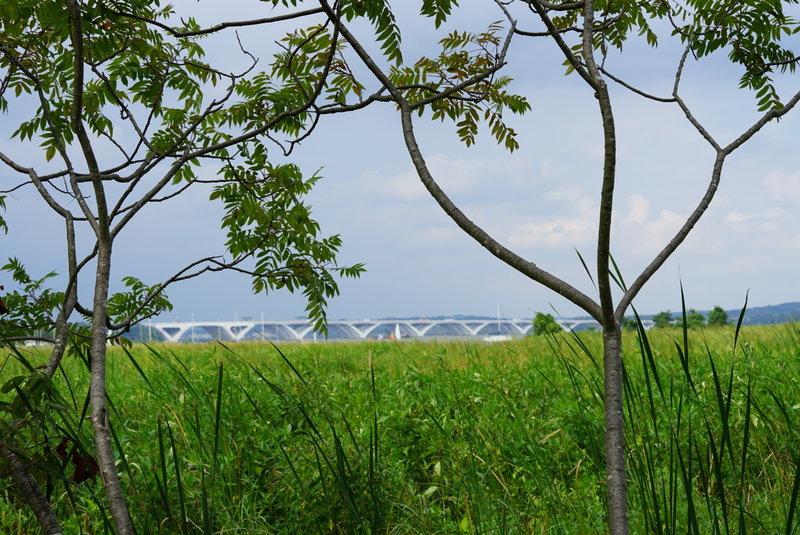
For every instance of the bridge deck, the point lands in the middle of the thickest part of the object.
(299, 330)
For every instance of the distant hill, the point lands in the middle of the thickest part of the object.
(766, 315)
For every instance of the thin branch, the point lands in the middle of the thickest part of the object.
(552, 6)
(768, 66)
(688, 112)
(218, 27)
(565, 49)
(203, 151)
(695, 216)
(767, 117)
(70, 299)
(528, 33)
(37, 183)
(634, 89)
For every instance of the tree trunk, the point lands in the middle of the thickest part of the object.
(97, 394)
(29, 489)
(616, 484)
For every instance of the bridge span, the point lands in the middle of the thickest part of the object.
(301, 330)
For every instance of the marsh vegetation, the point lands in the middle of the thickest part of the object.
(407, 437)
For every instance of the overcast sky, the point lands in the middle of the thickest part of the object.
(541, 201)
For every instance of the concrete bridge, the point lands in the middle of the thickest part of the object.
(301, 330)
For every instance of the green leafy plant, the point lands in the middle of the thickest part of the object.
(586, 33)
(544, 324)
(127, 111)
(718, 317)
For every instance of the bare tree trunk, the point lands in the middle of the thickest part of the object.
(29, 489)
(616, 484)
(97, 393)
(70, 299)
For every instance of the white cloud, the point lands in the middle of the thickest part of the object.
(564, 194)
(638, 209)
(767, 221)
(401, 187)
(784, 187)
(559, 231)
(454, 176)
(660, 231)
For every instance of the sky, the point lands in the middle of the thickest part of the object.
(541, 201)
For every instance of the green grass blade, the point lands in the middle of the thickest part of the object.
(163, 488)
(206, 510)
(791, 524)
(740, 320)
(139, 369)
(616, 274)
(743, 466)
(217, 420)
(685, 323)
(290, 364)
(586, 267)
(179, 482)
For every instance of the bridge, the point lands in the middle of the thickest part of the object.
(384, 329)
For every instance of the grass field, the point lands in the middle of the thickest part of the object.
(435, 437)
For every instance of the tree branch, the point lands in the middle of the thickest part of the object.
(695, 216)
(565, 49)
(634, 89)
(218, 27)
(510, 258)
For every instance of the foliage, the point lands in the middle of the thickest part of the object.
(663, 319)
(718, 317)
(465, 56)
(157, 88)
(92, 78)
(31, 308)
(260, 447)
(135, 302)
(544, 324)
(752, 33)
(694, 319)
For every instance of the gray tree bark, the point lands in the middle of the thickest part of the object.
(29, 489)
(97, 394)
(616, 483)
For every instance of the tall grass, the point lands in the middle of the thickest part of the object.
(409, 438)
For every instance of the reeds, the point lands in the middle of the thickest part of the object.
(411, 438)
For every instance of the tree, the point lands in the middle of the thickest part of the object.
(717, 317)
(122, 108)
(462, 84)
(694, 319)
(126, 111)
(663, 319)
(544, 324)
(585, 33)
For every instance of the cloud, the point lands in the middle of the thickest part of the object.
(560, 231)
(454, 176)
(784, 187)
(638, 210)
(659, 231)
(643, 235)
(564, 194)
(767, 221)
